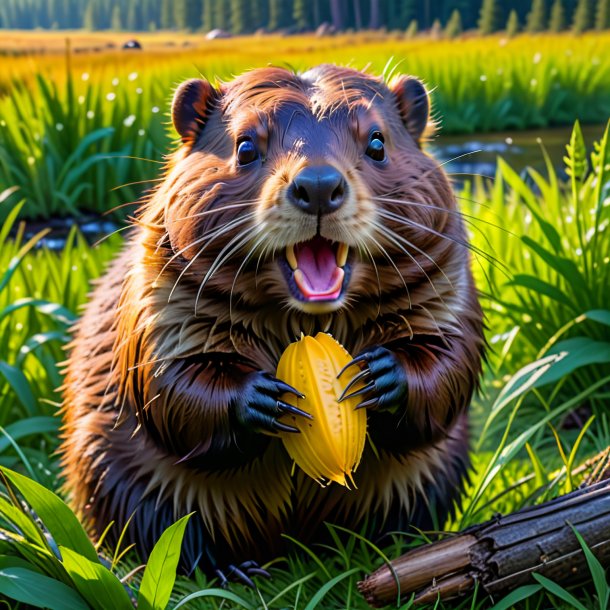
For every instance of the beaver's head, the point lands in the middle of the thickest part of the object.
(308, 192)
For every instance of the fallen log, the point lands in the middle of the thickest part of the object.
(502, 553)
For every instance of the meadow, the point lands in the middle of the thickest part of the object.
(540, 251)
(74, 124)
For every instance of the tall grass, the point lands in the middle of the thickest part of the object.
(537, 377)
(69, 133)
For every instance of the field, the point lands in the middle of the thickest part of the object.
(540, 249)
(72, 125)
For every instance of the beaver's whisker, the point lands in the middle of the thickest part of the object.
(232, 206)
(212, 235)
(468, 218)
(234, 245)
(465, 217)
(470, 174)
(251, 252)
(109, 235)
(389, 259)
(362, 244)
(445, 210)
(120, 186)
(392, 236)
(409, 222)
(188, 265)
(258, 262)
(396, 239)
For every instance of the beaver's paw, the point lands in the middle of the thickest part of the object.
(384, 377)
(259, 406)
(241, 574)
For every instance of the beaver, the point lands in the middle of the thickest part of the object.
(294, 203)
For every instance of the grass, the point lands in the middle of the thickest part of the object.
(68, 129)
(545, 284)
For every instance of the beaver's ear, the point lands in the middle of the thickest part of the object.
(413, 104)
(191, 107)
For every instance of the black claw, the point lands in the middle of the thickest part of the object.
(356, 360)
(248, 564)
(367, 388)
(224, 582)
(359, 377)
(244, 578)
(368, 403)
(284, 387)
(284, 406)
(278, 425)
(258, 572)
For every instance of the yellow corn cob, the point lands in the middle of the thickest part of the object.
(329, 447)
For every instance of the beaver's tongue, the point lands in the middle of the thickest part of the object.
(317, 275)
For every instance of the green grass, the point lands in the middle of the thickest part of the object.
(70, 132)
(546, 284)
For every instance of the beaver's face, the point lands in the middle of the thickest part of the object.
(304, 191)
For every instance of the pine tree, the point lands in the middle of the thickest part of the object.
(488, 17)
(300, 14)
(221, 18)
(602, 15)
(277, 15)
(167, 15)
(132, 17)
(512, 25)
(436, 29)
(557, 21)
(411, 31)
(408, 12)
(115, 22)
(454, 25)
(582, 18)
(207, 16)
(89, 17)
(535, 21)
(239, 19)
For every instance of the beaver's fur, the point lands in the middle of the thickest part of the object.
(196, 304)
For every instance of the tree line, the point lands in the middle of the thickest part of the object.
(245, 16)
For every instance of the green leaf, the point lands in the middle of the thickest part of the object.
(578, 352)
(321, 593)
(599, 315)
(564, 266)
(20, 385)
(100, 587)
(53, 310)
(576, 159)
(27, 427)
(598, 573)
(517, 595)
(541, 287)
(220, 593)
(32, 588)
(22, 521)
(560, 592)
(59, 520)
(160, 572)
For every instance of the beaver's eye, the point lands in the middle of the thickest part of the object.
(376, 150)
(246, 152)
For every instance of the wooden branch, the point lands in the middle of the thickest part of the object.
(501, 554)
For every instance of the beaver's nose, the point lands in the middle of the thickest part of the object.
(318, 189)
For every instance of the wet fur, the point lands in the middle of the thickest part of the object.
(167, 339)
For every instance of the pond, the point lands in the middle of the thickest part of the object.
(470, 154)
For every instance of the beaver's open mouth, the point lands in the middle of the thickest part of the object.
(316, 270)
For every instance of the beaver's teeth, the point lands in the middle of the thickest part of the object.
(291, 258)
(342, 254)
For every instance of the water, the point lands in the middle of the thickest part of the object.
(477, 153)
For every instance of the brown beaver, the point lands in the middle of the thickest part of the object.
(295, 203)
